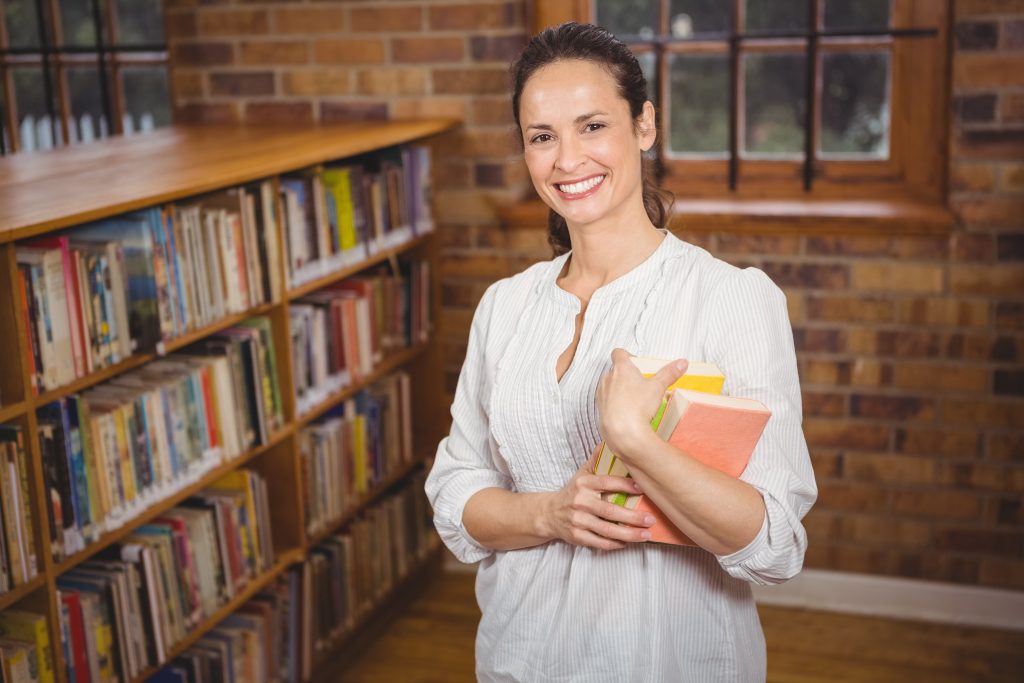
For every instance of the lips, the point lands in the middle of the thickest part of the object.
(579, 189)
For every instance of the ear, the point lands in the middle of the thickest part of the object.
(647, 126)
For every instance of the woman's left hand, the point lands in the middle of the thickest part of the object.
(626, 400)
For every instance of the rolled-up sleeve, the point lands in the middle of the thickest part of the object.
(465, 464)
(751, 340)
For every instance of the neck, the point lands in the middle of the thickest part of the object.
(602, 253)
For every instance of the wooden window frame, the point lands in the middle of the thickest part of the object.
(918, 138)
(106, 55)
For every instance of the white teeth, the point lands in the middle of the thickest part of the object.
(582, 186)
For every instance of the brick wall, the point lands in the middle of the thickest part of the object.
(910, 348)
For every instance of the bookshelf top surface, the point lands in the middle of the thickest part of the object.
(60, 188)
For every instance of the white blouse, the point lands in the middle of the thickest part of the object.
(649, 612)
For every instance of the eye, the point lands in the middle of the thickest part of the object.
(542, 137)
(593, 126)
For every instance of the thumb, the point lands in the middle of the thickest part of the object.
(670, 373)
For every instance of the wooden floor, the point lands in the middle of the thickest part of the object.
(432, 642)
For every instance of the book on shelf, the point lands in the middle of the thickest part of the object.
(117, 448)
(340, 214)
(93, 295)
(18, 561)
(124, 610)
(30, 628)
(341, 332)
(353, 447)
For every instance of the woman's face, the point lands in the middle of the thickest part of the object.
(580, 144)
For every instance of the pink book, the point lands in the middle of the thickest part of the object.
(719, 431)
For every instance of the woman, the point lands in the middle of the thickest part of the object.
(568, 589)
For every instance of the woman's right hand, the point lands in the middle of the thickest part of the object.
(577, 514)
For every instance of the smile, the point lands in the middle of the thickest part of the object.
(580, 187)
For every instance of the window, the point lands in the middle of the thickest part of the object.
(77, 70)
(780, 98)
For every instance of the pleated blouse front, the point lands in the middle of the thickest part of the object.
(559, 612)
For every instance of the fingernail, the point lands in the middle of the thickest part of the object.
(636, 487)
(681, 365)
(645, 535)
(649, 520)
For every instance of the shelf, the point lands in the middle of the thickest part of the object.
(159, 508)
(18, 592)
(255, 586)
(348, 271)
(101, 180)
(12, 412)
(365, 501)
(141, 359)
(386, 366)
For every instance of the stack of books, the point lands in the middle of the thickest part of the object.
(17, 537)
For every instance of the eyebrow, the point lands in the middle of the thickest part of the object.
(578, 120)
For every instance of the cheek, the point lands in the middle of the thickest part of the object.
(538, 164)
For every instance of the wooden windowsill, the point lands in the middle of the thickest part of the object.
(779, 216)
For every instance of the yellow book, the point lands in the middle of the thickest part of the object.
(30, 627)
(125, 455)
(337, 181)
(238, 480)
(359, 452)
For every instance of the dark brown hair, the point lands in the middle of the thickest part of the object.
(592, 44)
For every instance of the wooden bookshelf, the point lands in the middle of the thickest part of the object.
(44, 192)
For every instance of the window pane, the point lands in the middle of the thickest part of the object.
(22, 27)
(86, 104)
(694, 17)
(36, 130)
(774, 104)
(855, 104)
(843, 14)
(647, 65)
(147, 98)
(76, 23)
(140, 22)
(699, 104)
(776, 15)
(628, 17)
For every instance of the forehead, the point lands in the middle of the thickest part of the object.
(566, 86)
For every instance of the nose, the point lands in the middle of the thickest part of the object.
(570, 154)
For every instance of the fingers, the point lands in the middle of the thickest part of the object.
(587, 528)
(620, 355)
(670, 372)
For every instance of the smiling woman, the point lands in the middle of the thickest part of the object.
(568, 586)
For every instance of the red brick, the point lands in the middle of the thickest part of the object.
(866, 309)
(937, 504)
(473, 265)
(945, 312)
(824, 371)
(1011, 107)
(868, 275)
(1008, 382)
(832, 245)
(402, 81)
(988, 145)
(1006, 447)
(309, 20)
(817, 340)
(921, 440)
(454, 107)
(421, 50)
(1007, 350)
(274, 53)
(972, 177)
(186, 85)
(279, 112)
(233, 22)
(982, 477)
(892, 407)
(846, 434)
(207, 113)
(1003, 413)
(181, 25)
(987, 70)
(242, 84)
(992, 280)
(339, 112)
(1011, 178)
(812, 275)
(883, 529)
(496, 48)
(349, 51)
(491, 111)
(844, 496)
(826, 464)
(476, 16)
(998, 212)
(883, 468)
(202, 54)
(971, 540)
(380, 19)
(941, 378)
(470, 81)
(1010, 315)
(1005, 511)
(1002, 573)
(921, 248)
(968, 247)
(976, 8)
(313, 82)
(823, 404)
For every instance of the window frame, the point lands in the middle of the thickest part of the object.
(918, 136)
(106, 55)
